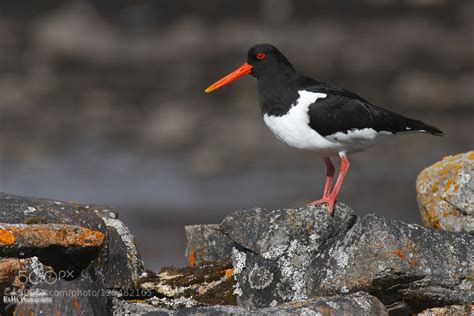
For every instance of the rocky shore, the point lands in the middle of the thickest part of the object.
(60, 258)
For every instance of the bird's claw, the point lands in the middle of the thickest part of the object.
(329, 200)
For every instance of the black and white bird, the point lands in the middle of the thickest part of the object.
(308, 114)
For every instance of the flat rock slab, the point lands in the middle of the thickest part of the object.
(445, 194)
(294, 254)
(28, 210)
(22, 237)
(63, 246)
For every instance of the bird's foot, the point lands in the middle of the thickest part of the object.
(329, 200)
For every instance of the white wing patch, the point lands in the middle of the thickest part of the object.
(357, 136)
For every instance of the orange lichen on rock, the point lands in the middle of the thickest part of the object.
(229, 273)
(444, 191)
(45, 235)
(431, 219)
(76, 305)
(449, 184)
(192, 258)
(399, 253)
(6, 238)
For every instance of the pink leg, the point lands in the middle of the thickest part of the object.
(329, 175)
(330, 199)
(327, 186)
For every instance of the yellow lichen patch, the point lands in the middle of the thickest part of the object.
(6, 238)
(445, 170)
(449, 184)
(229, 273)
(444, 181)
(458, 167)
(434, 187)
(431, 219)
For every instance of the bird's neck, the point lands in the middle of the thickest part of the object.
(277, 93)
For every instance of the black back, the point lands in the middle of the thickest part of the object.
(340, 111)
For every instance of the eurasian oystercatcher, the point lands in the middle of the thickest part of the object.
(308, 114)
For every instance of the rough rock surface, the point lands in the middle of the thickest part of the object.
(445, 193)
(81, 296)
(294, 254)
(360, 303)
(207, 243)
(294, 261)
(121, 271)
(205, 284)
(453, 310)
(83, 251)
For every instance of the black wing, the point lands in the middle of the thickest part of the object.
(342, 111)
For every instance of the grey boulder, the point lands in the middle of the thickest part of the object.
(295, 254)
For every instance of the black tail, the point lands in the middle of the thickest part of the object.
(416, 125)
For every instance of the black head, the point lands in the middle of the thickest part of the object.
(267, 60)
(264, 62)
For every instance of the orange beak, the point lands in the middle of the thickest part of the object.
(245, 69)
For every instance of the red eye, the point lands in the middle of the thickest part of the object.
(260, 56)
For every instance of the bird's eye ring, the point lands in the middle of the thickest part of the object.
(260, 56)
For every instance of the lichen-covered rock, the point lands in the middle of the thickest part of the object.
(124, 264)
(21, 237)
(275, 248)
(453, 310)
(19, 275)
(355, 304)
(402, 264)
(29, 210)
(209, 283)
(294, 254)
(67, 236)
(360, 303)
(207, 243)
(445, 193)
(64, 246)
(61, 245)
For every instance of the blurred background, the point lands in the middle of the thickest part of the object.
(102, 102)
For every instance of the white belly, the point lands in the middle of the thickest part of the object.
(293, 129)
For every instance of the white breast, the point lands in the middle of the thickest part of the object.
(293, 129)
